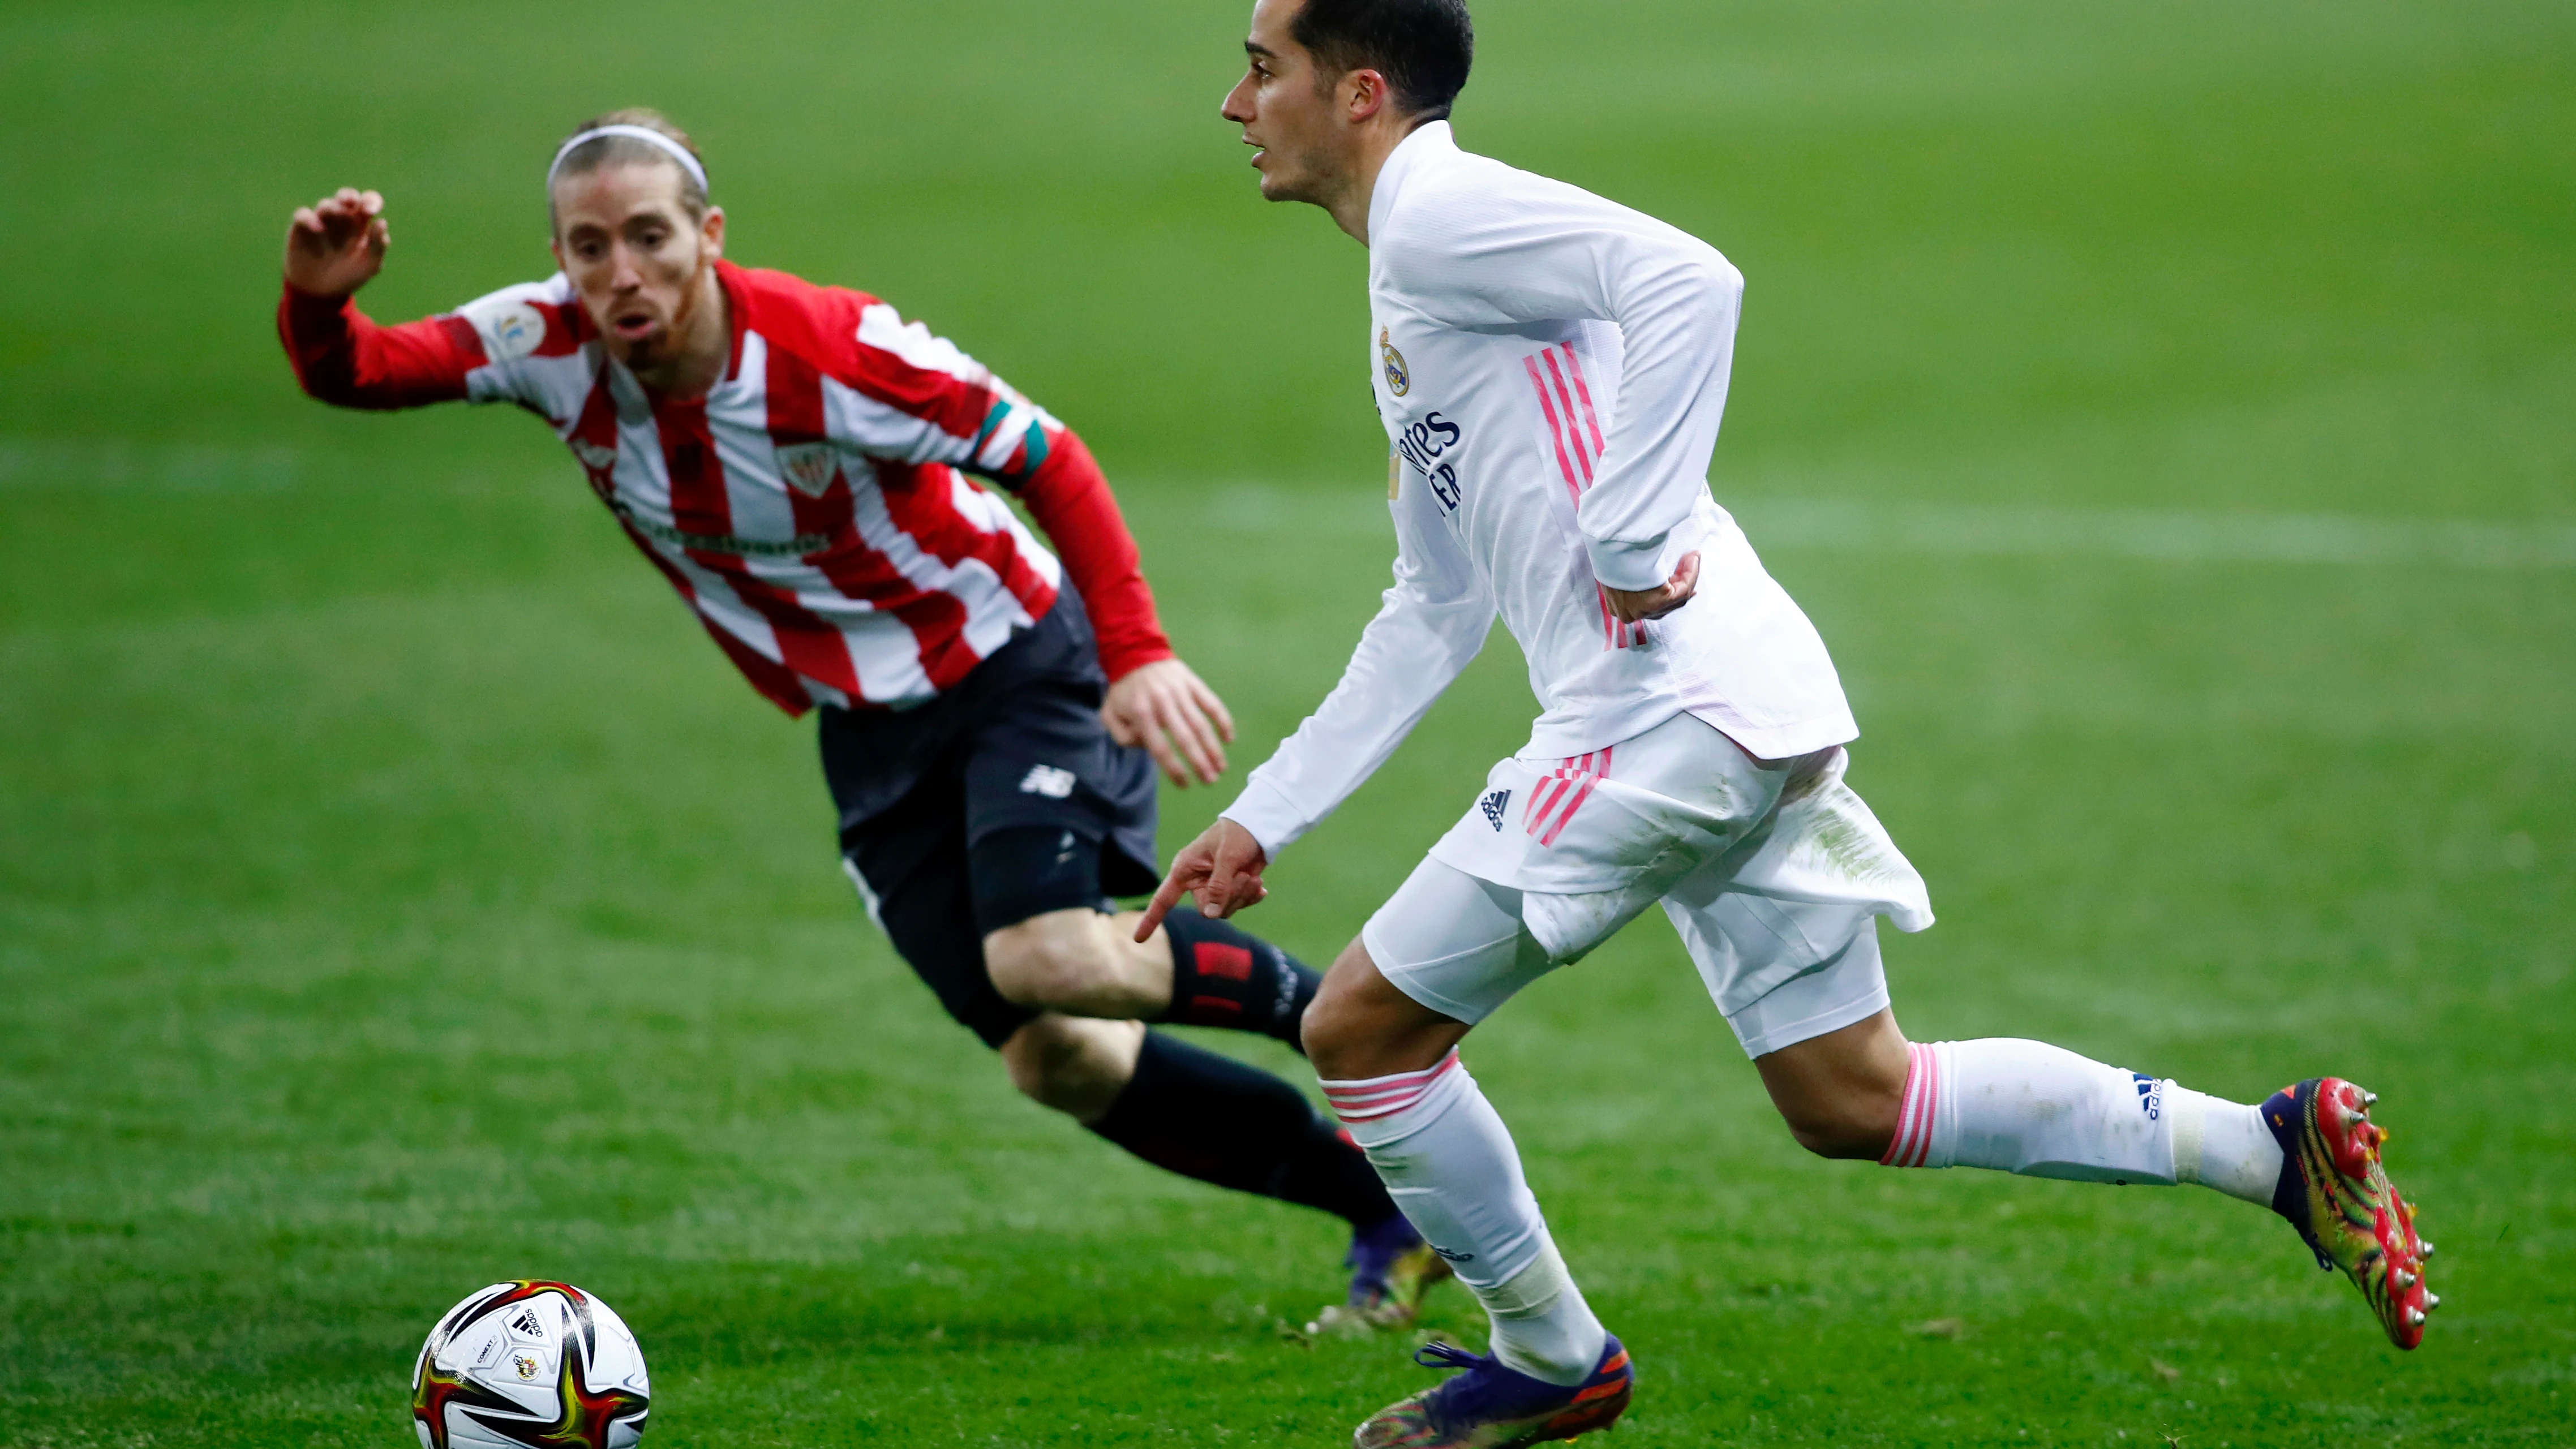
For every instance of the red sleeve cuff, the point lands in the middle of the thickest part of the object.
(1072, 502)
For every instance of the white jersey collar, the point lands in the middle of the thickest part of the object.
(1428, 142)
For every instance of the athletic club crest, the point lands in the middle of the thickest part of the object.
(809, 467)
(1398, 381)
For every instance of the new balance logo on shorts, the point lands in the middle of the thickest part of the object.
(2151, 1095)
(1049, 781)
(1493, 808)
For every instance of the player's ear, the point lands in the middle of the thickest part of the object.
(711, 231)
(1367, 93)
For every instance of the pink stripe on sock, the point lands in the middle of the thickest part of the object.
(1913, 1140)
(1375, 1097)
(1925, 1108)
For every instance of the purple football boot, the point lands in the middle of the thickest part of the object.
(1492, 1407)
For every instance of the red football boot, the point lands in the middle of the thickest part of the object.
(2335, 1192)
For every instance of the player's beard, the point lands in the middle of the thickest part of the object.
(1302, 175)
(673, 342)
(685, 315)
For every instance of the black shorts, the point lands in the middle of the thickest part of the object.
(1000, 800)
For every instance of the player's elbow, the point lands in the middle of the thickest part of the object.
(333, 386)
(1694, 285)
(1717, 287)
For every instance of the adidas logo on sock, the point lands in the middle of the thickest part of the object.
(1493, 808)
(2151, 1095)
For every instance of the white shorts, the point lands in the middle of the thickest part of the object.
(1774, 874)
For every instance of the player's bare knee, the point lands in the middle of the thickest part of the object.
(1361, 1025)
(1074, 1065)
(1334, 1022)
(1049, 960)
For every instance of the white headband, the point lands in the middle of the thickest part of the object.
(646, 134)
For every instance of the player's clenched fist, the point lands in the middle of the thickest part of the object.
(1222, 867)
(1631, 606)
(337, 245)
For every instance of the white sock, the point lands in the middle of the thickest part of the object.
(2223, 1144)
(1541, 1325)
(1449, 1163)
(2041, 1111)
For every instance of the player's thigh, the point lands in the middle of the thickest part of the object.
(1454, 943)
(1780, 971)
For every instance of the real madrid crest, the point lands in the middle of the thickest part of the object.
(1397, 379)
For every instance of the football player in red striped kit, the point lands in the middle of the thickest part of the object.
(796, 460)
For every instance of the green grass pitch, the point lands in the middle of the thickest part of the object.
(397, 892)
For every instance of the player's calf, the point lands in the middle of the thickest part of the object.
(1841, 1093)
(1222, 975)
(2310, 1153)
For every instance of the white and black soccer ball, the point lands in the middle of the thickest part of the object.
(530, 1363)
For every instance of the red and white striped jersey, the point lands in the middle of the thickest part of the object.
(813, 507)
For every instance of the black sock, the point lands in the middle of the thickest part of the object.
(1223, 977)
(1191, 1111)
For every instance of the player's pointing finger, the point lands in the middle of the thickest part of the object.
(1166, 896)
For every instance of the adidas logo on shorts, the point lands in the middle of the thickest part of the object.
(1493, 808)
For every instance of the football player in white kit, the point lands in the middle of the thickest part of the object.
(1550, 368)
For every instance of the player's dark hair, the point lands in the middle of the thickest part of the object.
(600, 152)
(1422, 47)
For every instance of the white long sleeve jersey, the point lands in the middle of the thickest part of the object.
(1550, 368)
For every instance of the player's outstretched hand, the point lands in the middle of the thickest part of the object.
(337, 245)
(1222, 868)
(1631, 605)
(1167, 709)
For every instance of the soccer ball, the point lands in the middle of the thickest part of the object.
(529, 1363)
